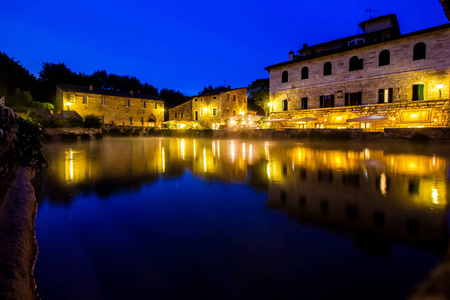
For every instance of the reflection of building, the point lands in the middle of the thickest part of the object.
(210, 110)
(113, 107)
(372, 80)
(401, 197)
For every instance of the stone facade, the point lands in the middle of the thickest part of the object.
(114, 107)
(211, 110)
(394, 82)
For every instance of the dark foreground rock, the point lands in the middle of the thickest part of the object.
(18, 248)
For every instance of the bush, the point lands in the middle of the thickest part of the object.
(29, 145)
(46, 105)
(51, 123)
(92, 121)
(20, 109)
(75, 122)
(316, 135)
(338, 135)
(420, 138)
(300, 135)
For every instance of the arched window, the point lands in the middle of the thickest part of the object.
(305, 73)
(327, 68)
(284, 76)
(420, 51)
(384, 58)
(355, 63)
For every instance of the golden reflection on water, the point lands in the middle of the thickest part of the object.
(419, 178)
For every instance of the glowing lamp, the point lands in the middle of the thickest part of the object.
(270, 104)
(439, 87)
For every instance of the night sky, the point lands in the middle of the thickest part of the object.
(186, 45)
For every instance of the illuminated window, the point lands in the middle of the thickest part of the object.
(384, 58)
(420, 51)
(385, 95)
(284, 76)
(353, 99)
(305, 73)
(304, 103)
(214, 111)
(326, 101)
(355, 63)
(418, 92)
(85, 101)
(144, 104)
(284, 105)
(327, 68)
(154, 105)
(415, 116)
(127, 103)
(103, 101)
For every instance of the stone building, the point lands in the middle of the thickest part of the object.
(113, 107)
(210, 110)
(372, 80)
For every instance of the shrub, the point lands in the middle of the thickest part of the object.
(20, 109)
(75, 122)
(338, 135)
(420, 138)
(300, 135)
(92, 121)
(29, 145)
(316, 135)
(46, 105)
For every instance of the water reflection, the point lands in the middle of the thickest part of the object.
(375, 192)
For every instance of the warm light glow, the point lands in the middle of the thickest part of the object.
(232, 123)
(204, 158)
(232, 151)
(250, 154)
(435, 195)
(383, 184)
(182, 146)
(163, 157)
(270, 104)
(182, 126)
(268, 170)
(339, 118)
(243, 151)
(439, 86)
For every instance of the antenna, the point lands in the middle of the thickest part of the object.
(370, 11)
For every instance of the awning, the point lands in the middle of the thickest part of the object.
(305, 119)
(275, 120)
(368, 119)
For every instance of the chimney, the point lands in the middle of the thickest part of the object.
(291, 55)
(131, 92)
(91, 87)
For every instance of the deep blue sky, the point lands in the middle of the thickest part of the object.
(186, 45)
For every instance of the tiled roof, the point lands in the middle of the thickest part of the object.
(86, 90)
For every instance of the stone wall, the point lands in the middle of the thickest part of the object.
(400, 74)
(116, 109)
(183, 112)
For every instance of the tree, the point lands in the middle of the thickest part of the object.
(210, 89)
(258, 93)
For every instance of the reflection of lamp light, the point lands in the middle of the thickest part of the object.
(439, 87)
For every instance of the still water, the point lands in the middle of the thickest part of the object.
(168, 218)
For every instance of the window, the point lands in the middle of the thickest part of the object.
(127, 103)
(103, 101)
(418, 92)
(384, 58)
(305, 72)
(154, 105)
(196, 115)
(103, 119)
(304, 103)
(142, 121)
(84, 99)
(385, 95)
(326, 101)
(420, 51)
(234, 98)
(284, 105)
(131, 121)
(144, 104)
(245, 100)
(214, 97)
(181, 115)
(72, 98)
(195, 99)
(353, 99)
(234, 112)
(214, 111)
(355, 64)
(175, 115)
(327, 68)
(284, 76)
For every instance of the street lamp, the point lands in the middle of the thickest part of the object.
(439, 87)
(270, 105)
